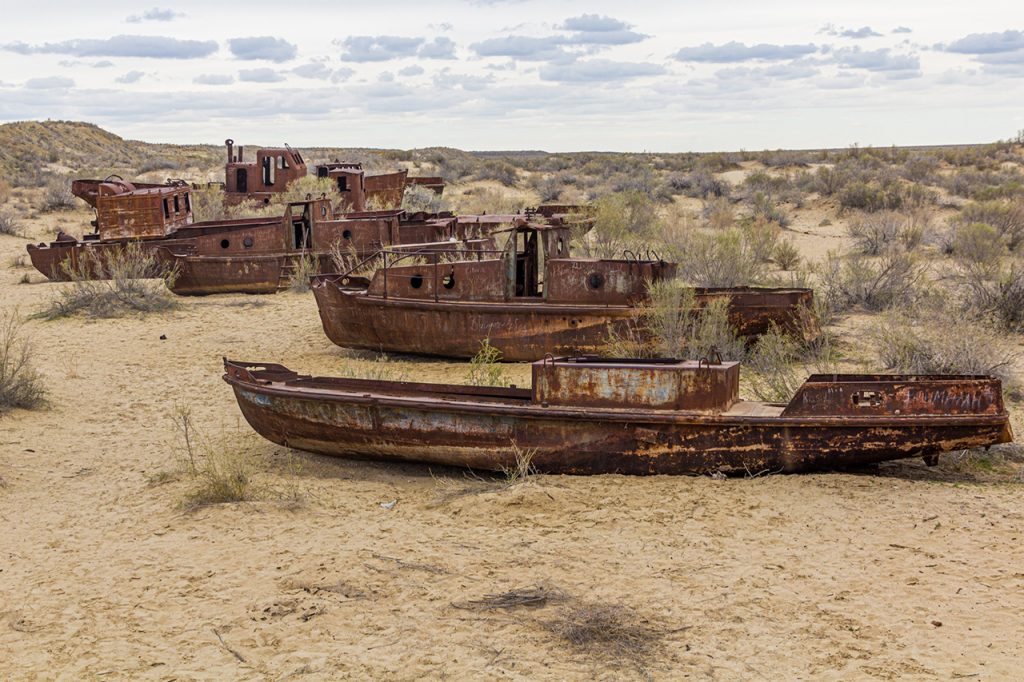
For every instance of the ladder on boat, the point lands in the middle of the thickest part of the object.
(287, 272)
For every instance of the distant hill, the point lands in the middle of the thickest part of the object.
(29, 149)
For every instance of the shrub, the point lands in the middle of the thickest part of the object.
(871, 196)
(977, 245)
(9, 224)
(57, 195)
(130, 280)
(700, 185)
(772, 375)
(994, 292)
(498, 170)
(874, 284)
(620, 220)
(674, 324)
(1006, 217)
(480, 200)
(763, 238)
(20, 384)
(208, 204)
(718, 213)
(926, 346)
(418, 198)
(221, 472)
(304, 267)
(485, 368)
(721, 259)
(765, 208)
(874, 233)
(786, 255)
(920, 168)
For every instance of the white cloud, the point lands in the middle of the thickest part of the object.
(378, 48)
(263, 47)
(740, 52)
(155, 14)
(157, 47)
(264, 75)
(130, 77)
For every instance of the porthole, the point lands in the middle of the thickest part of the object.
(449, 281)
(224, 243)
(595, 280)
(247, 242)
(416, 281)
(347, 234)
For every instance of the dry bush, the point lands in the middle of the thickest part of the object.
(5, 191)
(620, 220)
(700, 184)
(498, 170)
(765, 208)
(208, 204)
(723, 259)
(418, 198)
(1006, 217)
(136, 281)
(9, 224)
(927, 345)
(874, 233)
(871, 283)
(718, 213)
(786, 254)
(305, 266)
(20, 384)
(301, 188)
(673, 324)
(992, 290)
(57, 195)
(221, 471)
(763, 237)
(485, 367)
(770, 366)
(871, 195)
(976, 245)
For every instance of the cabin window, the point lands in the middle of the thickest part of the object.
(323, 210)
(867, 399)
(167, 209)
(269, 174)
(224, 243)
(561, 246)
(282, 163)
(595, 280)
(342, 183)
(449, 281)
(248, 242)
(188, 203)
(177, 204)
(346, 234)
(416, 281)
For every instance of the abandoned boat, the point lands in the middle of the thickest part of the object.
(588, 415)
(248, 255)
(275, 167)
(527, 299)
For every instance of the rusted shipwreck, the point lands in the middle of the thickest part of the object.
(248, 255)
(527, 299)
(275, 167)
(588, 415)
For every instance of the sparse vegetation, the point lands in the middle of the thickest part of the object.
(221, 472)
(304, 266)
(485, 367)
(9, 225)
(134, 280)
(57, 196)
(872, 284)
(20, 384)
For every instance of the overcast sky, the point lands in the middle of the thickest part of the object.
(522, 74)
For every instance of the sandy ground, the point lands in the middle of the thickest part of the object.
(904, 573)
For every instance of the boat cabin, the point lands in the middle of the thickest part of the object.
(533, 264)
(132, 210)
(273, 169)
(361, 191)
(709, 385)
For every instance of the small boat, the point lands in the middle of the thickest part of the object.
(589, 415)
(529, 298)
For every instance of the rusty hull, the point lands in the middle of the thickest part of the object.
(487, 428)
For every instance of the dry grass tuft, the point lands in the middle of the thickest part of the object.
(9, 225)
(20, 384)
(485, 368)
(522, 471)
(221, 472)
(305, 266)
(135, 281)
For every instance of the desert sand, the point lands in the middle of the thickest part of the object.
(903, 573)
